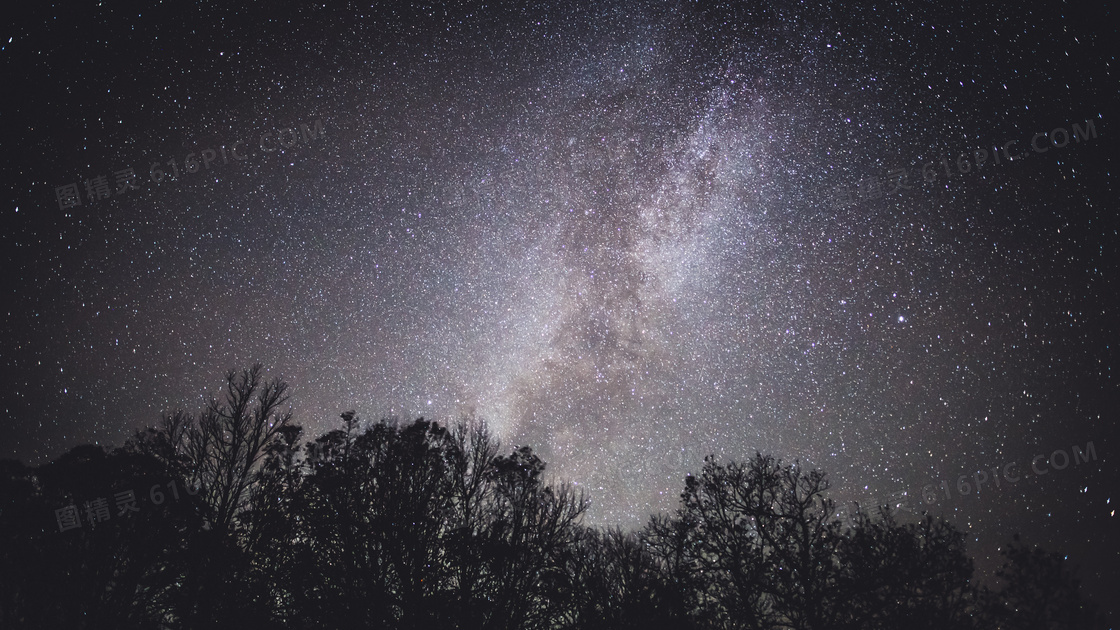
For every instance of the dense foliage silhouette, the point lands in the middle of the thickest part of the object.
(236, 523)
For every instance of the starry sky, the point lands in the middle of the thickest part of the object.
(626, 233)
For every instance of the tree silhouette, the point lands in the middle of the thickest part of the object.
(415, 525)
(614, 583)
(109, 571)
(220, 451)
(757, 544)
(528, 528)
(1039, 593)
(913, 576)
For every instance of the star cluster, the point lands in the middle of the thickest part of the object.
(628, 234)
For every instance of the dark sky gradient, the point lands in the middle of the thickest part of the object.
(612, 229)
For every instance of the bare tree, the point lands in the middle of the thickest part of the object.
(225, 446)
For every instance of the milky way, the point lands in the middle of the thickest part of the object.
(627, 234)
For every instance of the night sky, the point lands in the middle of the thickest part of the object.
(627, 234)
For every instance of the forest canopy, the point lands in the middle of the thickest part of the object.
(229, 519)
